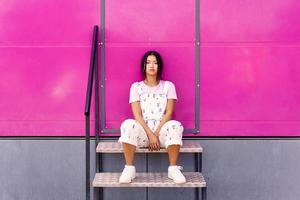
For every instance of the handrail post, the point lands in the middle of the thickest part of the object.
(93, 61)
(97, 128)
(87, 156)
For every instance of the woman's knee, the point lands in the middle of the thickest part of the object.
(127, 125)
(127, 133)
(173, 126)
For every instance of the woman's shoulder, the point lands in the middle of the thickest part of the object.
(135, 85)
(167, 82)
(162, 83)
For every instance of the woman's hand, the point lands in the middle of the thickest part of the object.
(157, 132)
(153, 142)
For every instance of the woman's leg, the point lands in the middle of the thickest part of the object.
(129, 151)
(132, 135)
(173, 152)
(130, 139)
(171, 138)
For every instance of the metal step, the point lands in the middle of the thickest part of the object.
(116, 147)
(150, 179)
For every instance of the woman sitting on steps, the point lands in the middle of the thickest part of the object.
(152, 103)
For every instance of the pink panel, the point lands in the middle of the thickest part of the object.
(250, 90)
(249, 21)
(151, 21)
(48, 22)
(249, 63)
(43, 91)
(123, 68)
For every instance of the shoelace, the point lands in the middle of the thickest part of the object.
(179, 167)
(125, 172)
(127, 169)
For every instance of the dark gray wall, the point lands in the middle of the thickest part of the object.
(234, 170)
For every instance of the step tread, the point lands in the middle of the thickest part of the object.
(150, 179)
(116, 147)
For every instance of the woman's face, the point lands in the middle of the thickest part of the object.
(151, 66)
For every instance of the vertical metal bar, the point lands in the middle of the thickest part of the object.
(96, 102)
(102, 79)
(147, 196)
(200, 161)
(87, 156)
(196, 162)
(101, 197)
(197, 193)
(102, 59)
(203, 193)
(102, 66)
(97, 159)
(101, 170)
(147, 193)
(100, 161)
(96, 193)
(197, 60)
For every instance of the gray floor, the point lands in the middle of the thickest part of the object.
(234, 170)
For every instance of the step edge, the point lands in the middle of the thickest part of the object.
(201, 184)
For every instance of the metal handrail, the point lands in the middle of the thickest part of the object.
(91, 72)
(92, 69)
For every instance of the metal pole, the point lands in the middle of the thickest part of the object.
(87, 156)
(196, 160)
(203, 193)
(96, 101)
(147, 172)
(200, 161)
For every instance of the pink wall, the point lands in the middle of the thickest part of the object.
(44, 56)
(249, 57)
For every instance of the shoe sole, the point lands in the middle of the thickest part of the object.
(169, 176)
(129, 181)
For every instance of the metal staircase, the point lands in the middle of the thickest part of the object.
(144, 179)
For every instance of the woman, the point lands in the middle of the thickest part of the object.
(152, 103)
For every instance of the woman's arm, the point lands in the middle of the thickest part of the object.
(167, 116)
(137, 113)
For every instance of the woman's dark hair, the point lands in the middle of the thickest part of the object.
(159, 63)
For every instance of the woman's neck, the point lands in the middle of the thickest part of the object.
(151, 81)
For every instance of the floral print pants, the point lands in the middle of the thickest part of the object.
(133, 133)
